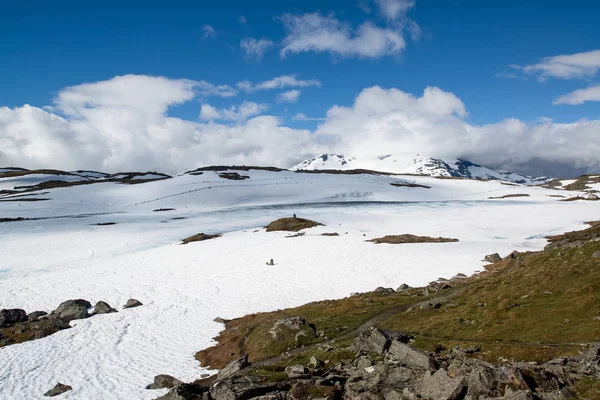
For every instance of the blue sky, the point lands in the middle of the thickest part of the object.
(463, 47)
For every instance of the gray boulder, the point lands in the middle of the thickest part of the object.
(383, 291)
(383, 378)
(410, 356)
(72, 309)
(57, 390)
(494, 381)
(596, 254)
(402, 288)
(34, 316)
(233, 367)
(164, 382)
(297, 372)
(131, 303)
(441, 386)
(375, 340)
(492, 258)
(187, 391)
(12, 316)
(102, 307)
(245, 387)
(520, 395)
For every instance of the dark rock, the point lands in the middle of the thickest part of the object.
(34, 316)
(131, 303)
(492, 258)
(383, 291)
(373, 340)
(382, 377)
(57, 390)
(245, 387)
(520, 395)
(402, 288)
(72, 309)
(411, 357)
(102, 307)
(187, 391)
(12, 316)
(164, 382)
(233, 367)
(220, 320)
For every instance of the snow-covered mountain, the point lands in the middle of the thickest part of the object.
(418, 165)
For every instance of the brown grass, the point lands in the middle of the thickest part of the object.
(291, 224)
(407, 238)
(410, 185)
(507, 196)
(200, 237)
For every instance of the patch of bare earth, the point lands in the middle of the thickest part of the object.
(291, 224)
(407, 238)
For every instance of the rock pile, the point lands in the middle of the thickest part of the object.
(386, 367)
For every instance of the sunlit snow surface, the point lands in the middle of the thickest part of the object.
(62, 254)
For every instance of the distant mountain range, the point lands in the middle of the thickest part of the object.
(418, 165)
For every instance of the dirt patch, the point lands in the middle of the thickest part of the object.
(24, 199)
(233, 176)
(200, 237)
(330, 234)
(13, 219)
(291, 224)
(219, 168)
(508, 196)
(163, 209)
(410, 185)
(407, 238)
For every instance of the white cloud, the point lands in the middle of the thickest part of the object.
(303, 117)
(255, 48)
(394, 9)
(209, 32)
(123, 124)
(391, 121)
(242, 19)
(291, 96)
(279, 82)
(580, 96)
(318, 33)
(239, 114)
(567, 66)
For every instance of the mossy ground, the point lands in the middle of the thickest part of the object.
(533, 307)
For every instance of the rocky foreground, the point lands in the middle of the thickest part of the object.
(385, 366)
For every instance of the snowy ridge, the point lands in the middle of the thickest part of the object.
(419, 165)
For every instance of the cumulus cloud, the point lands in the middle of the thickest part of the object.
(123, 124)
(291, 96)
(565, 66)
(580, 96)
(384, 121)
(253, 48)
(279, 82)
(209, 32)
(318, 33)
(235, 113)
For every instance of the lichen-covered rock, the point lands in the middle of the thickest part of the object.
(411, 357)
(102, 307)
(164, 382)
(441, 386)
(58, 389)
(233, 367)
(131, 303)
(72, 309)
(187, 391)
(12, 316)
